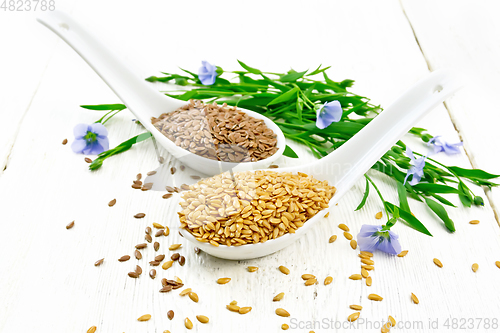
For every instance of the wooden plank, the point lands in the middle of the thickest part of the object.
(465, 37)
(51, 276)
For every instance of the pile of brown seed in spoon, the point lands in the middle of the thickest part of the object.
(218, 132)
(251, 207)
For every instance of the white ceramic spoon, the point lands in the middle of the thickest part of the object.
(343, 167)
(140, 97)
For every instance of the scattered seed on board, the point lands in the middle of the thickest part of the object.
(392, 321)
(354, 244)
(273, 166)
(194, 297)
(379, 215)
(166, 232)
(112, 203)
(152, 273)
(138, 255)
(166, 196)
(375, 297)
(141, 246)
(368, 267)
(367, 261)
(99, 262)
(134, 275)
(182, 260)
(148, 238)
(223, 280)
(174, 247)
(170, 314)
(365, 253)
(278, 297)
(173, 170)
(175, 256)
(156, 246)
(202, 319)
(245, 309)
(284, 270)
(166, 289)
(497, 263)
(356, 277)
(65, 141)
(233, 307)
(93, 328)
(150, 173)
(182, 167)
(332, 239)
(356, 307)
(154, 263)
(147, 230)
(343, 227)
(403, 253)
(353, 317)
(364, 273)
(188, 323)
(475, 267)
(124, 258)
(139, 215)
(328, 280)
(437, 262)
(282, 312)
(159, 233)
(347, 235)
(386, 328)
(369, 281)
(327, 214)
(70, 225)
(88, 160)
(185, 292)
(138, 269)
(414, 298)
(197, 250)
(195, 177)
(160, 257)
(158, 226)
(252, 268)
(307, 276)
(310, 282)
(284, 327)
(474, 222)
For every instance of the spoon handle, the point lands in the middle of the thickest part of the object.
(131, 89)
(348, 163)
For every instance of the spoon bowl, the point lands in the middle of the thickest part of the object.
(343, 167)
(140, 97)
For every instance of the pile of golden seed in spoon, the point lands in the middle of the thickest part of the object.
(251, 207)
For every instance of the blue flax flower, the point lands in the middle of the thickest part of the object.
(90, 139)
(330, 112)
(417, 168)
(207, 73)
(372, 238)
(441, 145)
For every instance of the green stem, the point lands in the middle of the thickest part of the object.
(379, 194)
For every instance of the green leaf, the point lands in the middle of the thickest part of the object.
(435, 188)
(439, 210)
(104, 107)
(290, 153)
(250, 69)
(473, 173)
(443, 200)
(299, 105)
(411, 220)
(318, 70)
(403, 200)
(124, 146)
(465, 200)
(365, 196)
(292, 77)
(285, 97)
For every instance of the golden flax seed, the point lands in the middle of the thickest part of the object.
(497, 263)
(403, 253)
(437, 262)
(185, 292)
(474, 222)
(475, 267)
(367, 261)
(347, 235)
(353, 317)
(328, 280)
(366, 253)
(414, 298)
(284, 270)
(364, 273)
(354, 244)
(145, 317)
(356, 307)
(368, 267)
(158, 226)
(174, 247)
(392, 321)
(343, 227)
(188, 323)
(310, 282)
(284, 327)
(307, 276)
(252, 268)
(278, 297)
(245, 309)
(223, 280)
(194, 297)
(356, 277)
(375, 297)
(93, 328)
(233, 307)
(332, 239)
(282, 312)
(202, 319)
(167, 264)
(369, 281)
(379, 215)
